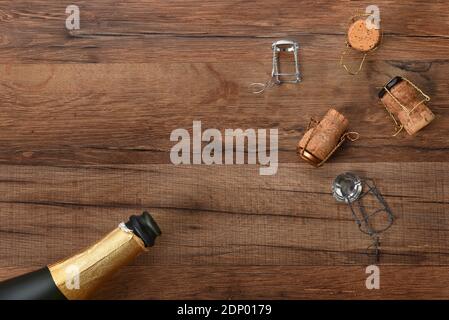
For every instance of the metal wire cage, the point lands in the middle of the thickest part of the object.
(366, 204)
(279, 76)
(287, 77)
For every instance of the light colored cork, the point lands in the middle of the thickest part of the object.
(361, 38)
(324, 137)
(409, 97)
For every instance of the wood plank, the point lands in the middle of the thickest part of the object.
(116, 49)
(124, 113)
(230, 17)
(258, 282)
(277, 283)
(34, 31)
(223, 215)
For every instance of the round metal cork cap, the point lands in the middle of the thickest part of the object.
(389, 86)
(310, 158)
(347, 187)
(361, 38)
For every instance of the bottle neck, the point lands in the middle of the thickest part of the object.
(79, 276)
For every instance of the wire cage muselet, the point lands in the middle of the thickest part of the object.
(368, 207)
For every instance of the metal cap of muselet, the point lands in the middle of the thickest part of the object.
(347, 187)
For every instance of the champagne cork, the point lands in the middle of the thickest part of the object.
(361, 38)
(416, 114)
(319, 142)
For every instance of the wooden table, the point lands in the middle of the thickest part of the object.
(85, 123)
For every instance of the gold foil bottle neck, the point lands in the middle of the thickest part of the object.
(79, 276)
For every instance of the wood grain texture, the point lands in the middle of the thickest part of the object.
(273, 282)
(85, 120)
(139, 30)
(228, 215)
(102, 114)
(283, 282)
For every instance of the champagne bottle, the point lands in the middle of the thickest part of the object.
(79, 276)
